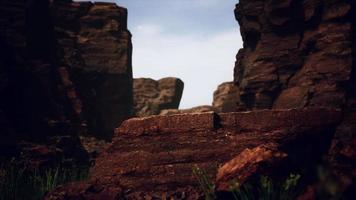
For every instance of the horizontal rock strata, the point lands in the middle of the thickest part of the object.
(155, 156)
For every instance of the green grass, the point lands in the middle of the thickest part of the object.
(267, 189)
(205, 184)
(264, 189)
(20, 183)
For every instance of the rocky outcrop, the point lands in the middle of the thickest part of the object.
(296, 53)
(94, 46)
(166, 148)
(64, 66)
(301, 54)
(150, 96)
(226, 98)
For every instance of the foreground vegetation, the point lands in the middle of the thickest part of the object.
(264, 189)
(22, 183)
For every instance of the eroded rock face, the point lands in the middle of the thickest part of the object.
(154, 157)
(296, 53)
(248, 163)
(151, 97)
(226, 98)
(301, 54)
(63, 66)
(94, 45)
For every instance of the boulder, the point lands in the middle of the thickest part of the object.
(226, 98)
(151, 97)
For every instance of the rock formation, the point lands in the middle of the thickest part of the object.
(31, 106)
(298, 56)
(296, 53)
(150, 96)
(94, 46)
(301, 54)
(226, 97)
(63, 66)
(154, 157)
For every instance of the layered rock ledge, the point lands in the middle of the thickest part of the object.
(153, 157)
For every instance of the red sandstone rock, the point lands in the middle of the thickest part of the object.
(301, 54)
(296, 53)
(154, 156)
(246, 164)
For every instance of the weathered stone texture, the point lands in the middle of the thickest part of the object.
(94, 45)
(226, 98)
(296, 53)
(63, 66)
(33, 106)
(301, 54)
(154, 157)
(151, 97)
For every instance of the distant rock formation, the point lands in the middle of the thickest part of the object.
(150, 96)
(198, 109)
(226, 98)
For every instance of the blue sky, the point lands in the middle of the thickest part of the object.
(195, 40)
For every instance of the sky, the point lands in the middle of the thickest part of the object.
(194, 40)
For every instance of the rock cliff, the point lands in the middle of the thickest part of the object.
(64, 67)
(298, 56)
(301, 54)
(94, 46)
(67, 65)
(296, 53)
(31, 106)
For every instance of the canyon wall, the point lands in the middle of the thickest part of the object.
(65, 69)
(301, 54)
(94, 45)
(295, 80)
(296, 53)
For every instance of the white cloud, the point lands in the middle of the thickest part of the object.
(202, 62)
